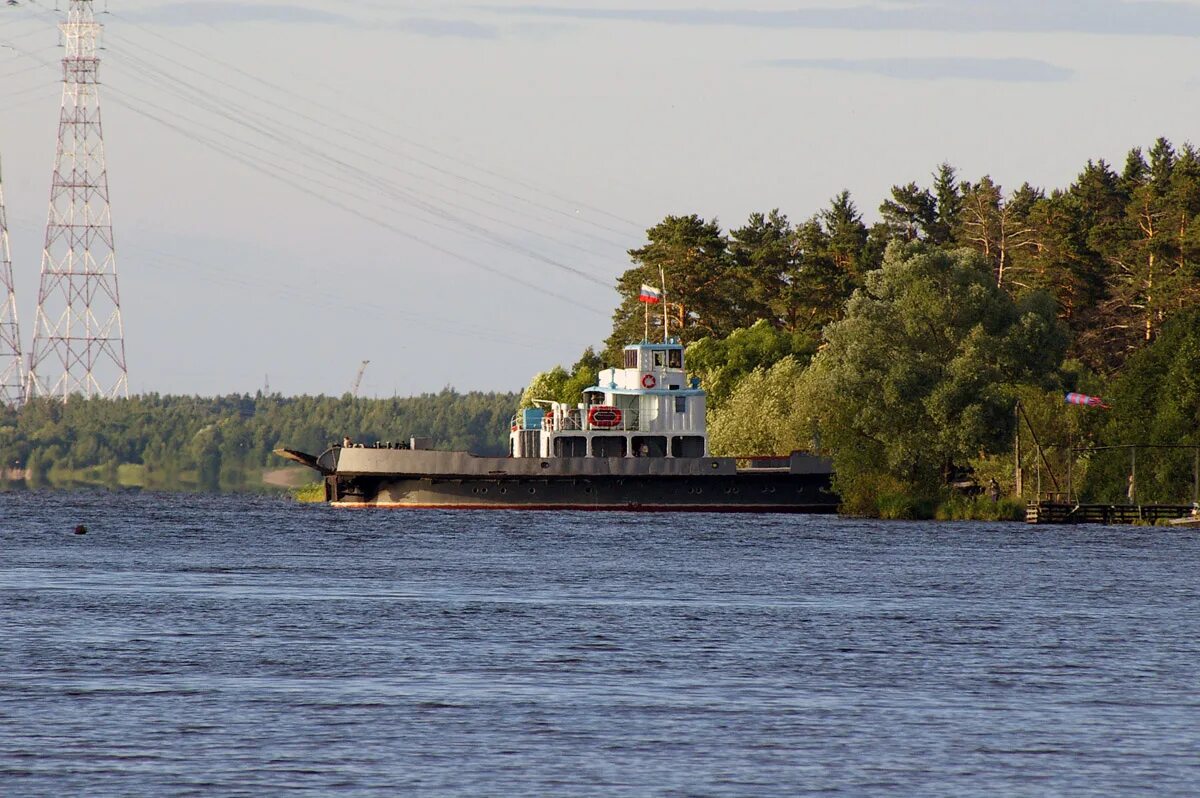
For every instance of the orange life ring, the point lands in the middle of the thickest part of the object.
(604, 416)
(649, 382)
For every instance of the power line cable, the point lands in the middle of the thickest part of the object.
(264, 155)
(256, 165)
(383, 148)
(391, 134)
(261, 125)
(250, 163)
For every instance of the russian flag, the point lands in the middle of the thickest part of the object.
(650, 295)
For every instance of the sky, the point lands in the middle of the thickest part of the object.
(449, 190)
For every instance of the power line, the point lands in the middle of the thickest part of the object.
(391, 134)
(257, 164)
(277, 176)
(248, 119)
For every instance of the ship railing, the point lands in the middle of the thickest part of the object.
(576, 421)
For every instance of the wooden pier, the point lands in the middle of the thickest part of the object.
(1050, 512)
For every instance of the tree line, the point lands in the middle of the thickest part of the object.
(901, 348)
(904, 347)
(1117, 251)
(226, 443)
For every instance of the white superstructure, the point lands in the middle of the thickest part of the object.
(649, 408)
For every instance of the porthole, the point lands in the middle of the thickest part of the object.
(533, 490)
(545, 464)
(504, 490)
(716, 464)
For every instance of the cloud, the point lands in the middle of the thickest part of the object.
(445, 27)
(223, 12)
(1007, 70)
(216, 12)
(1118, 17)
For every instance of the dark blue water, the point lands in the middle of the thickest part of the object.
(229, 646)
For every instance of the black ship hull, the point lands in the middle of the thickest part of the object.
(359, 477)
(776, 493)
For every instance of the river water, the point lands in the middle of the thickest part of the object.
(211, 646)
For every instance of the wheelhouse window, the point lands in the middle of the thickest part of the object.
(660, 358)
(675, 358)
(631, 358)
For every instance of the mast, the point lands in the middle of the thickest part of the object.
(662, 277)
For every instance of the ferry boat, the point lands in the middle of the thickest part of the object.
(637, 441)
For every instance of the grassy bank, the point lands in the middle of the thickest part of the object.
(900, 507)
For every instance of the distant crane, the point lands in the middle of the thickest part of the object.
(358, 378)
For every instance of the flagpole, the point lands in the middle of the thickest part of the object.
(646, 337)
(666, 316)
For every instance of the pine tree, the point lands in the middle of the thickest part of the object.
(847, 236)
(948, 195)
(764, 251)
(993, 226)
(705, 292)
(910, 213)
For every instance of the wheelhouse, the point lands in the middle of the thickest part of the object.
(647, 408)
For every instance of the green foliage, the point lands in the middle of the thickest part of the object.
(559, 385)
(796, 278)
(925, 349)
(225, 443)
(722, 363)
(762, 416)
(1156, 400)
(704, 287)
(1114, 256)
(899, 506)
(922, 373)
(911, 214)
(979, 508)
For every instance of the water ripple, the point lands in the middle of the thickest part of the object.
(249, 646)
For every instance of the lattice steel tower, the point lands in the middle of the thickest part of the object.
(78, 343)
(12, 377)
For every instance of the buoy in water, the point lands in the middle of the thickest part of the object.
(81, 530)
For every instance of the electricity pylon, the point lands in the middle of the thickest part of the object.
(79, 340)
(12, 377)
